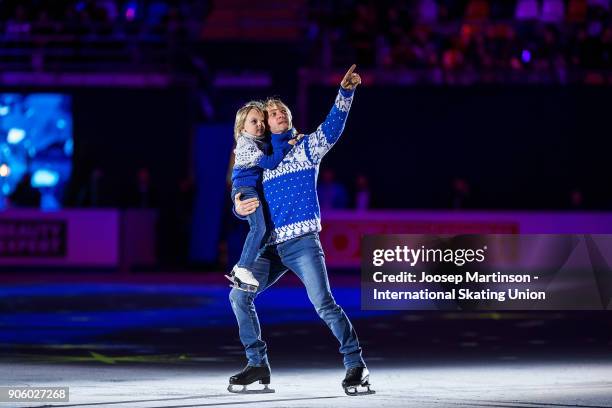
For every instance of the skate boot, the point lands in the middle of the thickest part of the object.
(248, 376)
(243, 279)
(357, 377)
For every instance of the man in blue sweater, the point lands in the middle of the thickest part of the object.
(291, 196)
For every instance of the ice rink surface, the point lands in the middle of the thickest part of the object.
(168, 345)
(509, 384)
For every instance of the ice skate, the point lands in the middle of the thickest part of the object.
(248, 376)
(243, 279)
(357, 377)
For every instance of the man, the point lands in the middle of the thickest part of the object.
(291, 197)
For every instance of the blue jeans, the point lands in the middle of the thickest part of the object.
(304, 256)
(257, 229)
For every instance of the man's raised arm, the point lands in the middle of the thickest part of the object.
(328, 133)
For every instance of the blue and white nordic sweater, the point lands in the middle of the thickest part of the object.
(252, 155)
(291, 188)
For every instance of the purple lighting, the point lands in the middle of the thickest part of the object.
(130, 11)
(526, 56)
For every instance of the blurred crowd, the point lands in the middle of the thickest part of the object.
(463, 34)
(446, 34)
(102, 17)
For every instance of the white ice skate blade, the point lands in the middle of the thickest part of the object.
(244, 390)
(353, 390)
(236, 285)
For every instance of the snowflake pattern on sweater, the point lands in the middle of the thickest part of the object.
(252, 155)
(291, 188)
(248, 152)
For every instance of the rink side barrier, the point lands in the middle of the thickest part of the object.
(98, 238)
(342, 230)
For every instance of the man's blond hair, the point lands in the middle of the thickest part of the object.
(275, 102)
(242, 114)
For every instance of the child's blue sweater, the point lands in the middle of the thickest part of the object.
(291, 188)
(253, 155)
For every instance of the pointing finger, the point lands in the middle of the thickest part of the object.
(351, 69)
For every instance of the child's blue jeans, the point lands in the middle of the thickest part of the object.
(257, 228)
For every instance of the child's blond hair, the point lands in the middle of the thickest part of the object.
(242, 114)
